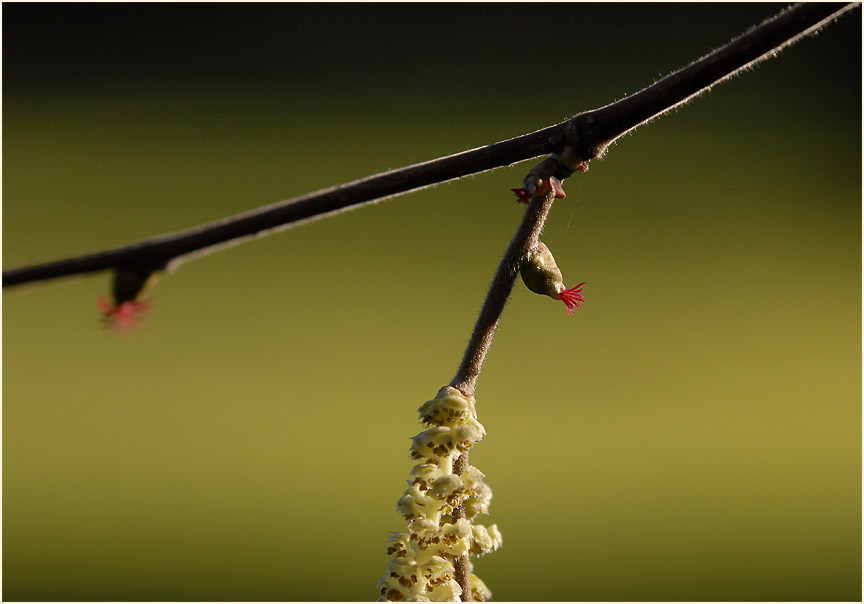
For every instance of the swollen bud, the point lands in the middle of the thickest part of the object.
(540, 273)
(542, 276)
(130, 283)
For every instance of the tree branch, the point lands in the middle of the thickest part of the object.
(593, 131)
(587, 135)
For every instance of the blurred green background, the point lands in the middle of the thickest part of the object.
(692, 433)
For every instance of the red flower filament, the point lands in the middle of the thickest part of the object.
(122, 317)
(522, 195)
(572, 297)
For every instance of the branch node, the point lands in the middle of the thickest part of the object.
(580, 141)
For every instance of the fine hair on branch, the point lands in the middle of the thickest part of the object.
(587, 134)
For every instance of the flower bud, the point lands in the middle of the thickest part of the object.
(540, 273)
(126, 310)
(542, 276)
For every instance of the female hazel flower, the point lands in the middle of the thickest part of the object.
(126, 310)
(542, 276)
(539, 188)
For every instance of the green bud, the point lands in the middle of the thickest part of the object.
(540, 273)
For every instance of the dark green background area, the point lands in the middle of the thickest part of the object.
(692, 433)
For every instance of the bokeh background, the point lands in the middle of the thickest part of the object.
(692, 433)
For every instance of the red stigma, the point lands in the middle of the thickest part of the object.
(521, 195)
(122, 317)
(572, 297)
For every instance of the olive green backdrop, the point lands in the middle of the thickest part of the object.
(692, 433)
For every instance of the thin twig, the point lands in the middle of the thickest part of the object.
(589, 134)
(502, 284)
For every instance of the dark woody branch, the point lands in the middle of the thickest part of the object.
(584, 137)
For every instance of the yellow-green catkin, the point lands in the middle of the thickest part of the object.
(421, 568)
